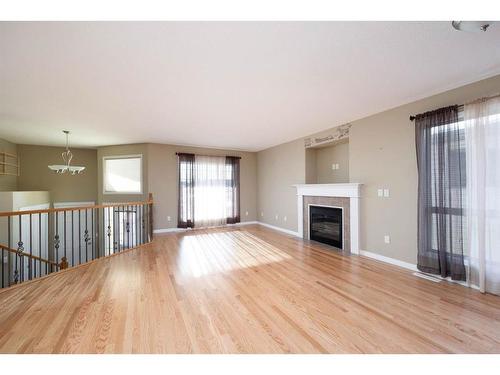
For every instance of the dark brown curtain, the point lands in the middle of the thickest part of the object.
(441, 193)
(185, 216)
(233, 188)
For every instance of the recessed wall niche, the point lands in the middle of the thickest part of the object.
(328, 163)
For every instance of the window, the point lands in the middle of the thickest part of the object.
(122, 174)
(441, 161)
(209, 190)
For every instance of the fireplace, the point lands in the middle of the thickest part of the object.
(326, 225)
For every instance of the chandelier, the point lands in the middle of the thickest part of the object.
(66, 156)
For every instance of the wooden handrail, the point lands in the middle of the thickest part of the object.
(62, 209)
(14, 251)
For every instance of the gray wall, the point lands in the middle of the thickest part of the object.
(278, 168)
(35, 175)
(164, 185)
(381, 155)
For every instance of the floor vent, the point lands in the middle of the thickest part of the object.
(427, 277)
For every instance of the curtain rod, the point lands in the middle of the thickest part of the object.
(189, 153)
(462, 105)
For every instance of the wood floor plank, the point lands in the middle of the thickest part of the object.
(245, 289)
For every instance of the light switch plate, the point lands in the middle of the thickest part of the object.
(387, 239)
(380, 192)
(261, 213)
(284, 218)
(386, 193)
(276, 217)
(169, 218)
(246, 213)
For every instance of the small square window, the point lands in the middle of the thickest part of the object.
(122, 174)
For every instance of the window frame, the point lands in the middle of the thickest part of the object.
(118, 157)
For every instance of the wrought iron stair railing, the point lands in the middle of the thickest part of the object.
(36, 243)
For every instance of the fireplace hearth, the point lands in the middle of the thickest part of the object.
(326, 225)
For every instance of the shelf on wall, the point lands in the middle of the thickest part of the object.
(9, 164)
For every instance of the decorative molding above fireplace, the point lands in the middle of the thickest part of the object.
(348, 190)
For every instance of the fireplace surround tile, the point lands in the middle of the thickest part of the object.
(329, 201)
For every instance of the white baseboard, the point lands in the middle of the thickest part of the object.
(396, 262)
(287, 231)
(168, 230)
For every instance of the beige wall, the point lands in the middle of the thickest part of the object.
(8, 183)
(120, 150)
(381, 155)
(311, 162)
(278, 168)
(35, 175)
(326, 156)
(163, 183)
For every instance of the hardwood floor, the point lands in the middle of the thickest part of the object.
(246, 289)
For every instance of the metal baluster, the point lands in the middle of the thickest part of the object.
(20, 249)
(97, 237)
(116, 231)
(109, 231)
(30, 262)
(136, 210)
(56, 238)
(39, 244)
(80, 237)
(86, 234)
(119, 227)
(3, 265)
(9, 265)
(93, 234)
(65, 242)
(128, 227)
(73, 238)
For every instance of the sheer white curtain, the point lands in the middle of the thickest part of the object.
(210, 208)
(482, 137)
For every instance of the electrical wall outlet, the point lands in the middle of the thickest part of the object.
(261, 213)
(380, 192)
(284, 218)
(169, 218)
(387, 239)
(276, 217)
(386, 193)
(246, 213)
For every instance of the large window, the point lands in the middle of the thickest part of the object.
(208, 190)
(122, 174)
(441, 159)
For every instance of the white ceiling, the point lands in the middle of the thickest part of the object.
(232, 85)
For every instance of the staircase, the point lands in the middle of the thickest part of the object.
(37, 243)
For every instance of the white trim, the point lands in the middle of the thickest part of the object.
(351, 190)
(427, 277)
(381, 258)
(348, 190)
(327, 206)
(117, 157)
(287, 231)
(169, 230)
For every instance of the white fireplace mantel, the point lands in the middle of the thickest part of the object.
(349, 190)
